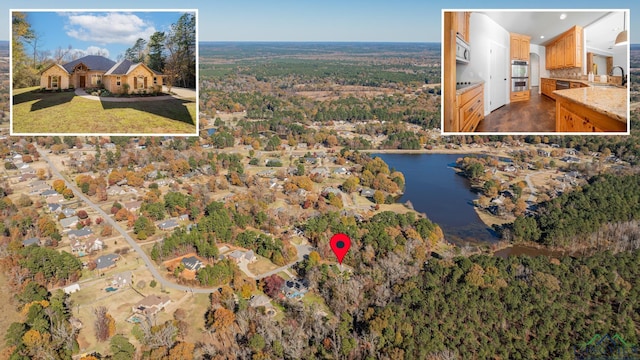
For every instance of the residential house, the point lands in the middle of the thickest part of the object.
(295, 289)
(122, 279)
(183, 217)
(192, 263)
(68, 223)
(168, 225)
(71, 288)
(544, 153)
(95, 71)
(68, 212)
(236, 255)
(320, 171)
(78, 247)
(341, 171)
(54, 208)
(38, 189)
(331, 190)
(48, 193)
(83, 233)
(30, 241)
(26, 169)
(133, 206)
(367, 192)
(571, 151)
(93, 244)
(37, 183)
(105, 262)
(250, 256)
(151, 305)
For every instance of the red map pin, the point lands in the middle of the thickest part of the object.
(340, 244)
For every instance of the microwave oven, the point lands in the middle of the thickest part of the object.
(463, 51)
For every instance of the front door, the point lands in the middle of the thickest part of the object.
(82, 81)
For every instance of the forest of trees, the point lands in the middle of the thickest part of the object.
(577, 217)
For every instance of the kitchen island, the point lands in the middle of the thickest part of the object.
(591, 109)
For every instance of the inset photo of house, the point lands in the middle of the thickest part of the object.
(106, 72)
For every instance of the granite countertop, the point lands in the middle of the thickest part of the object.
(610, 101)
(467, 88)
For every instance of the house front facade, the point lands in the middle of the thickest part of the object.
(93, 71)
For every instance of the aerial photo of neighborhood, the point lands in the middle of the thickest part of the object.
(319, 212)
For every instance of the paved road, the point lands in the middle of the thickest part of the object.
(164, 282)
(532, 189)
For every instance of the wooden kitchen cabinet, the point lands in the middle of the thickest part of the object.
(573, 117)
(548, 87)
(470, 109)
(566, 50)
(461, 24)
(519, 46)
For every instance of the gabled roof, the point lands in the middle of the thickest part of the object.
(93, 62)
(192, 263)
(124, 67)
(52, 65)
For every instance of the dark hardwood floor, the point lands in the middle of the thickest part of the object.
(535, 115)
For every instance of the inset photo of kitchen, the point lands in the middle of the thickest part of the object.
(535, 72)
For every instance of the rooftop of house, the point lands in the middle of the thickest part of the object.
(93, 62)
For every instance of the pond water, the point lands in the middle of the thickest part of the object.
(434, 188)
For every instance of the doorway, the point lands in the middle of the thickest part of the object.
(82, 81)
(534, 73)
(498, 79)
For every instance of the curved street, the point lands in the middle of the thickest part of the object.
(301, 249)
(134, 245)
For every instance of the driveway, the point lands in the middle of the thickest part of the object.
(181, 93)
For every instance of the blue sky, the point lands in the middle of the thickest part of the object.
(94, 32)
(320, 20)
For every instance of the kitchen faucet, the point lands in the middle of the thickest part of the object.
(624, 78)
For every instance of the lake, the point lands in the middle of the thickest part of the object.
(434, 188)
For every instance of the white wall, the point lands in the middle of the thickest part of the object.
(482, 31)
(620, 58)
(602, 64)
(534, 65)
(542, 64)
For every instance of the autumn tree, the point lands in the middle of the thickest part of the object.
(59, 185)
(219, 319)
(104, 324)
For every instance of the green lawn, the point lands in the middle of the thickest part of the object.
(64, 112)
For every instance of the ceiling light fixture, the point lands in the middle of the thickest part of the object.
(541, 36)
(622, 38)
(563, 16)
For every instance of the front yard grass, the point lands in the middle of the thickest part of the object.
(65, 113)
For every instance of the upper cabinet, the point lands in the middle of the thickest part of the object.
(461, 24)
(566, 50)
(520, 46)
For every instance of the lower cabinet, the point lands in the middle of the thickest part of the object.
(470, 109)
(572, 117)
(520, 96)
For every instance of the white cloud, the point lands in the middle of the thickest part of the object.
(108, 28)
(91, 50)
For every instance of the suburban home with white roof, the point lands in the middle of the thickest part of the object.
(95, 70)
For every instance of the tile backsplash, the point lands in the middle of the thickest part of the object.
(569, 73)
